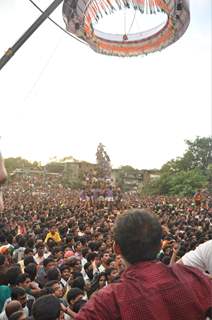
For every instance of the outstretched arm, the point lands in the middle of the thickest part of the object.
(175, 250)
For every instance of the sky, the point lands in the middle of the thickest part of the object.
(60, 98)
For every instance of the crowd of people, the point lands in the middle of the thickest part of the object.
(58, 259)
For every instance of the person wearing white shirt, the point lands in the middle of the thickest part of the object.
(10, 308)
(40, 255)
(200, 258)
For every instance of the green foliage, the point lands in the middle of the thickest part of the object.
(19, 163)
(159, 186)
(183, 183)
(186, 174)
(186, 182)
(55, 167)
(209, 175)
(200, 153)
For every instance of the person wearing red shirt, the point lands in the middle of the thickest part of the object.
(148, 289)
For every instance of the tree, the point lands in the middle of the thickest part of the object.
(17, 163)
(209, 175)
(160, 186)
(199, 153)
(186, 182)
(184, 175)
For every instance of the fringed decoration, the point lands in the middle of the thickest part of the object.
(81, 17)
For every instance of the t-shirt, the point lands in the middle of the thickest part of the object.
(152, 291)
(25, 309)
(3, 316)
(55, 237)
(200, 258)
(5, 293)
(18, 254)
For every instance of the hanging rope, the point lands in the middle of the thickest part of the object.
(132, 21)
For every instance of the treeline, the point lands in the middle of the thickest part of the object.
(181, 176)
(184, 175)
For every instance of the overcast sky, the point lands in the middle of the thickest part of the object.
(60, 98)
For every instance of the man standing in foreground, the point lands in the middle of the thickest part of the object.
(148, 290)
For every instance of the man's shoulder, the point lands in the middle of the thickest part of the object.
(184, 269)
(206, 245)
(109, 291)
(192, 273)
(102, 305)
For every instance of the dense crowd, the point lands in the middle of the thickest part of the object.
(58, 242)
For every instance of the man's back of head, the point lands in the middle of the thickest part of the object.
(18, 315)
(137, 235)
(148, 289)
(46, 308)
(12, 307)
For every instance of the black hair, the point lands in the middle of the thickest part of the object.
(3, 279)
(46, 307)
(84, 252)
(50, 283)
(91, 256)
(31, 269)
(53, 274)
(28, 250)
(64, 267)
(47, 261)
(79, 282)
(2, 238)
(95, 282)
(93, 245)
(21, 241)
(109, 271)
(69, 238)
(2, 259)
(57, 249)
(76, 274)
(73, 293)
(30, 243)
(17, 292)
(28, 260)
(76, 244)
(138, 234)
(12, 274)
(83, 240)
(40, 244)
(21, 278)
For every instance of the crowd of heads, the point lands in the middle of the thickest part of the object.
(58, 245)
